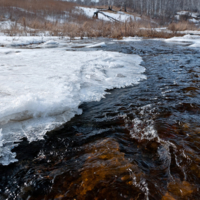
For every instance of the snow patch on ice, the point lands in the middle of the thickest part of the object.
(21, 41)
(130, 39)
(191, 40)
(102, 44)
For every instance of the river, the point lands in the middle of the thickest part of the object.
(139, 142)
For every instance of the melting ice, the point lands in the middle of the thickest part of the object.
(40, 89)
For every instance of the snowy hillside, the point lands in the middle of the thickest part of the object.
(120, 16)
(190, 16)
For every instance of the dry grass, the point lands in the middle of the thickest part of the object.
(181, 26)
(106, 7)
(29, 17)
(41, 9)
(35, 6)
(86, 29)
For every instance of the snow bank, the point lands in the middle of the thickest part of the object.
(40, 89)
(196, 21)
(191, 40)
(6, 24)
(189, 32)
(166, 30)
(23, 41)
(40, 41)
(130, 39)
(20, 41)
(189, 13)
(194, 16)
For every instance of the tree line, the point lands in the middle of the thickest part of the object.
(152, 8)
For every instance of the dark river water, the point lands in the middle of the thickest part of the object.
(140, 142)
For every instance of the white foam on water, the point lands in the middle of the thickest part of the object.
(143, 129)
(142, 184)
(40, 89)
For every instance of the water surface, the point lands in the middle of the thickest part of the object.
(140, 142)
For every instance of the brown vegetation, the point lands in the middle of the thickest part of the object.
(59, 18)
(181, 26)
(38, 5)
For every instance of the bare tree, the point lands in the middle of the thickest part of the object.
(152, 8)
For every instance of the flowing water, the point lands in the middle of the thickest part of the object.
(140, 142)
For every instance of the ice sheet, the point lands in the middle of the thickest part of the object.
(191, 40)
(102, 44)
(22, 41)
(40, 89)
(130, 39)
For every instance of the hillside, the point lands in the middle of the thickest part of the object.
(58, 18)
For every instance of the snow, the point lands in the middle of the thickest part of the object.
(194, 16)
(21, 41)
(177, 17)
(102, 44)
(1, 140)
(121, 16)
(38, 41)
(59, 19)
(194, 20)
(23, 10)
(191, 40)
(191, 14)
(6, 24)
(161, 29)
(187, 32)
(182, 12)
(130, 39)
(40, 89)
(166, 30)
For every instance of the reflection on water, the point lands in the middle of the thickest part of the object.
(140, 142)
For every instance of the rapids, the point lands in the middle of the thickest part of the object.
(139, 142)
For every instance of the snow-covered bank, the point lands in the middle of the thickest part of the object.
(191, 40)
(192, 16)
(121, 16)
(21, 41)
(166, 30)
(40, 89)
(39, 41)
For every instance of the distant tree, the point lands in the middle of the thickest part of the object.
(152, 8)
